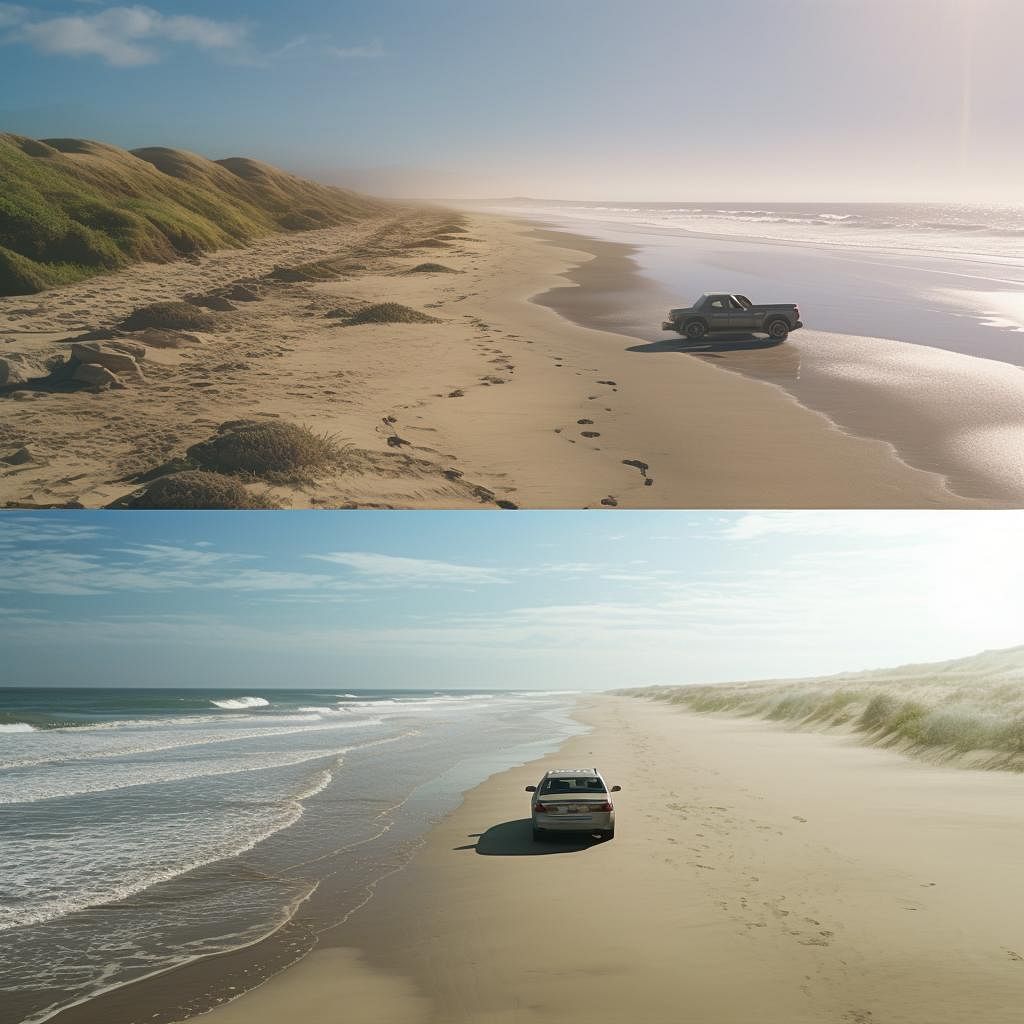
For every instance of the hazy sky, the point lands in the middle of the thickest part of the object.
(557, 600)
(646, 99)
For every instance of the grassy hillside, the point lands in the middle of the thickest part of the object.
(971, 706)
(70, 208)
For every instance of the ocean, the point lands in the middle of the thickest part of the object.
(145, 829)
(946, 276)
(992, 233)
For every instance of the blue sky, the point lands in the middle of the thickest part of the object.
(652, 99)
(556, 600)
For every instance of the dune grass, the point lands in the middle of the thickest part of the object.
(195, 489)
(174, 316)
(390, 313)
(430, 268)
(70, 207)
(971, 708)
(276, 451)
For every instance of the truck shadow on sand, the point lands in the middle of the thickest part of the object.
(709, 344)
(515, 839)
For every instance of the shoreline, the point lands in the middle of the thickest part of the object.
(881, 389)
(574, 419)
(742, 884)
(344, 882)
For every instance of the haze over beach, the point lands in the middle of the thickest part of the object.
(187, 284)
(280, 759)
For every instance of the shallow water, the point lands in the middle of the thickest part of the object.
(949, 277)
(143, 829)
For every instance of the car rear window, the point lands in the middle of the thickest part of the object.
(584, 784)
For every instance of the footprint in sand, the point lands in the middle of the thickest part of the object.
(584, 422)
(610, 502)
(457, 393)
(589, 433)
(643, 467)
(610, 382)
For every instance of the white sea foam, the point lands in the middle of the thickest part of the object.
(17, 727)
(61, 746)
(241, 703)
(62, 781)
(110, 865)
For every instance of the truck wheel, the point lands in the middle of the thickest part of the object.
(778, 329)
(696, 329)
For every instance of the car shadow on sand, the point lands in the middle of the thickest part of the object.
(515, 839)
(709, 345)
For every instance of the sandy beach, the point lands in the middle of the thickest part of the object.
(502, 401)
(757, 875)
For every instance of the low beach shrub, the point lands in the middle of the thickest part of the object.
(390, 313)
(273, 450)
(195, 489)
(430, 268)
(175, 316)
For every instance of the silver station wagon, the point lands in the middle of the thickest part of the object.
(572, 800)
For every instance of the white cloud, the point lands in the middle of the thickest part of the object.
(16, 531)
(394, 569)
(121, 36)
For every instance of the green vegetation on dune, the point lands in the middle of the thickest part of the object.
(972, 707)
(390, 313)
(70, 207)
(271, 449)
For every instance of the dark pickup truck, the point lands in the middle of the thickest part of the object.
(714, 312)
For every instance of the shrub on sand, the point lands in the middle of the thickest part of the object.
(196, 489)
(271, 449)
(175, 316)
(430, 268)
(391, 313)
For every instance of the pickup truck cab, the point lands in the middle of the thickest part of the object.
(721, 311)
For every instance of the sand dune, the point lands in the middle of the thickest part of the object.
(969, 709)
(75, 208)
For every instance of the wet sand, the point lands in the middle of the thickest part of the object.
(943, 411)
(757, 875)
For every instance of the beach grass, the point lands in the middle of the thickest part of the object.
(272, 450)
(430, 268)
(390, 313)
(70, 208)
(971, 708)
(196, 489)
(175, 316)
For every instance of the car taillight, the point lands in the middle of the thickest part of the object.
(540, 809)
(606, 806)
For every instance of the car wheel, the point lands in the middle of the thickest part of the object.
(608, 834)
(695, 330)
(538, 835)
(778, 329)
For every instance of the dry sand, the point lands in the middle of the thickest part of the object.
(503, 400)
(758, 875)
